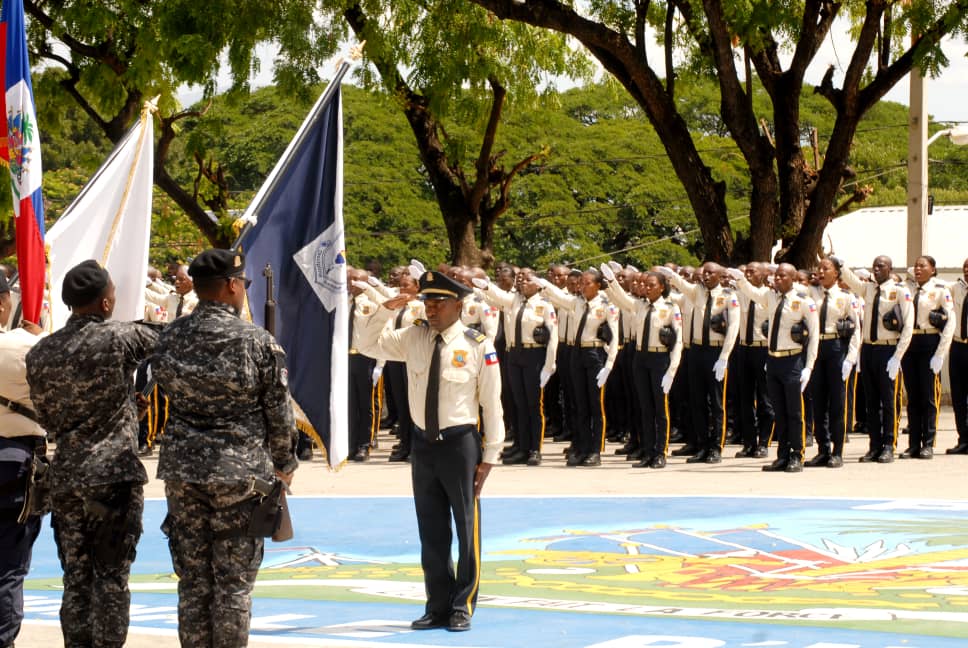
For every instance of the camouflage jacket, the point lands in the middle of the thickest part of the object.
(82, 385)
(230, 417)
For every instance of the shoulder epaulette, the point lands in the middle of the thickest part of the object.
(419, 322)
(475, 335)
(802, 295)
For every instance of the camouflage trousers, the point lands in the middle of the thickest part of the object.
(215, 561)
(96, 537)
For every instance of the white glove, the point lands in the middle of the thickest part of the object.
(734, 273)
(607, 272)
(631, 268)
(667, 383)
(720, 370)
(614, 265)
(480, 283)
(362, 285)
(893, 366)
(936, 363)
(415, 271)
(602, 376)
(773, 267)
(377, 372)
(804, 379)
(419, 266)
(845, 369)
(541, 281)
(374, 281)
(545, 377)
(669, 272)
(863, 274)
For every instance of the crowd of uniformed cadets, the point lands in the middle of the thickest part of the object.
(769, 358)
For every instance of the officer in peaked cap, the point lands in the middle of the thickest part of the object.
(453, 373)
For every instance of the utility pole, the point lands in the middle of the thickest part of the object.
(917, 167)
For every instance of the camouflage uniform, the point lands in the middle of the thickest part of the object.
(81, 386)
(230, 421)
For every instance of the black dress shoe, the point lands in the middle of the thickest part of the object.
(625, 449)
(761, 452)
(961, 448)
(886, 456)
(574, 459)
(698, 458)
(779, 465)
(685, 451)
(745, 453)
(515, 458)
(361, 454)
(510, 450)
(593, 459)
(870, 456)
(399, 455)
(658, 462)
(713, 456)
(819, 460)
(646, 462)
(926, 453)
(429, 622)
(908, 454)
(459, 621)
(676, 436)
(635, 455)
(564, 436)
(836, 461)
(147, 451)
(534, 458)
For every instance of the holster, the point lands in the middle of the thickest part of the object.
(114, 543)
(37, 499)
(267, 514)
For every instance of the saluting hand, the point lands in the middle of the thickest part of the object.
(397, 302)
(480, 475)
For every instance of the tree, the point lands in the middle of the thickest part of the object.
(448, 59)
(729, 39)
(115, 55)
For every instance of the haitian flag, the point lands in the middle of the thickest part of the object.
(296, 224)
(20, 149)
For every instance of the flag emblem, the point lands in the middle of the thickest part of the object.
(490, 358)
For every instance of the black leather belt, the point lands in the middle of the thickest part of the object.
(447, 433)
(17, 408)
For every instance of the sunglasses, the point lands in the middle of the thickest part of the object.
(243, 278)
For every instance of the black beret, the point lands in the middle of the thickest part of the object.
(84, 283)
(4, 284)
(437, 285)
(217, 264)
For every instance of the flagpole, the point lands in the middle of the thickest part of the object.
(250, 217)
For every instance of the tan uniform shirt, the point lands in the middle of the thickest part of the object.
(934, 294)
(478, 315)
(537, 311)
(14, 346)
(188, 301)
(470, 378)
(840, 305)
(959, 290)
(748, 306)
(724, 301)
(363, 309)
(797, 307)
(600, 313)
(891, 294)
(664, 313)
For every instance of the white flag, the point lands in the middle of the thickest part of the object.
(110, 222)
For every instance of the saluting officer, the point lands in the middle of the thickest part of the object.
(754, 415)
(709, 356)
(364, 371)
(596, 346)
(554, 393)
(881, 351)
(452, 374)
(657, 351)
(788, 368)
(531, 330)
(840, 335)
(958, 363)
(476, 313)
(934, 327)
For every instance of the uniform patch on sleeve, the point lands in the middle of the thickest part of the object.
(490, 358)
(813, 307)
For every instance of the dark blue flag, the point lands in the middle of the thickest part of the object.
(298, 231)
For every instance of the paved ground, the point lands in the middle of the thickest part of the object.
(941, 478)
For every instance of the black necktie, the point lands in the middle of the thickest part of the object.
(823, 312)
(917, 295)
(647, 328)
(581, 324)
(775, 328)
(750, 320)
(181, 304)
(874, 314)
(517, 325)
(964, 316)
(431, 402)
(399, 321)
(621, 329)
(705, 318)
(349, 338)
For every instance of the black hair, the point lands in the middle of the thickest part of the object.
(931, 262)
(663, 281)
(599, 279)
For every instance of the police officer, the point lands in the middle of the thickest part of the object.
(364, 372)
(453, 375)
(22, 443)
(881, 352)
(788, 367)
(958, 363)
(709, 356)
(596, 347)
(531, 330)
(396, 372)
(655, 360)
(754, 415)
(231, 424)
(96, 477)
(934, 327)
(840, 333)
